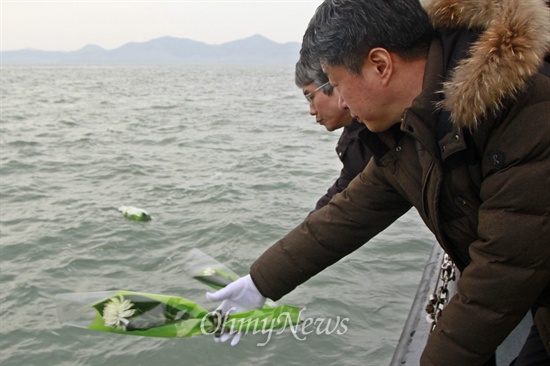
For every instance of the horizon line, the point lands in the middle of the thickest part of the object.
(152, 39)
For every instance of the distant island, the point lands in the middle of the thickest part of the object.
(166, 50)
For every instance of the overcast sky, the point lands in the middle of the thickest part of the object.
(72, 24)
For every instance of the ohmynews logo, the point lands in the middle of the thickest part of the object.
(318, 326)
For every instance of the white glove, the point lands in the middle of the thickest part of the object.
(240, 295)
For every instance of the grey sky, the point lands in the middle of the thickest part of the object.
(71, 24)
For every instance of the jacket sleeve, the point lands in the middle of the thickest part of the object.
(339, 185)
(365, 208)
(510, 262)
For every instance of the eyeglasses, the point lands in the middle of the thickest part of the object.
(310, 95)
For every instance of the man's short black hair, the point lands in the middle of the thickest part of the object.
(342, 32)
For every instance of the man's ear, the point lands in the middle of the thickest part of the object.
(381, 63)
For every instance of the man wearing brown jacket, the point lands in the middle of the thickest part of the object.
(458, 119)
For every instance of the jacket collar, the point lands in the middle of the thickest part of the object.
(351, 133)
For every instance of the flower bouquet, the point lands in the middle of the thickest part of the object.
(135, 213)
(207, 270)
(212, 273)
(151, 315)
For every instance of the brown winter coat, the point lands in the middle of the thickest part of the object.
(478, 172)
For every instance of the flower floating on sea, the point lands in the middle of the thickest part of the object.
(117, 311)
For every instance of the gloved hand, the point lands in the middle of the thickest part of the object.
(240, 295)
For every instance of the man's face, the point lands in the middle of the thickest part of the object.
(325, 108)
(367, 100)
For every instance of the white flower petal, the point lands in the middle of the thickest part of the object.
(117, 311)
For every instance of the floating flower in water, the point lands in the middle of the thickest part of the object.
(117, 311)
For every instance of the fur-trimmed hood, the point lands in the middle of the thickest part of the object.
(514, 41)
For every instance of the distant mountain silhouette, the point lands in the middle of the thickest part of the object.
(166, 50)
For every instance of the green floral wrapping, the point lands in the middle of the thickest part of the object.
(152, 315)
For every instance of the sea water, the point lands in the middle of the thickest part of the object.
(225, 159)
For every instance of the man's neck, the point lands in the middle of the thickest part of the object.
(409, 79)
(413, 77)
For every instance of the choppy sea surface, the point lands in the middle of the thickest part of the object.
(227, 160)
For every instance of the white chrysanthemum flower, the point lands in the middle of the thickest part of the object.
(117, 311)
